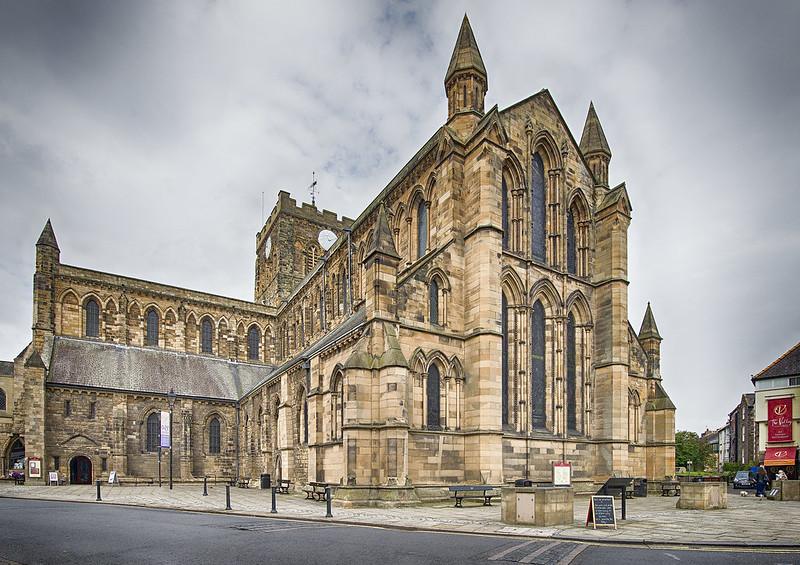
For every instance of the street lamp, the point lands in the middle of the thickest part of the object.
(171, 399)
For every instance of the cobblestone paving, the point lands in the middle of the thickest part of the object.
(747, 520)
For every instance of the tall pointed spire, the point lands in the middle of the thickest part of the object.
(48, 237)
(594, 147)
(649, 330)
(593, 139)
(466, 55)
(465, 82)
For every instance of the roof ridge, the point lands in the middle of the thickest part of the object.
(778, 360)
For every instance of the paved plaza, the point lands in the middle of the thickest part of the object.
(747, 520)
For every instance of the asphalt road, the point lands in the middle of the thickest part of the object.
(67, 532)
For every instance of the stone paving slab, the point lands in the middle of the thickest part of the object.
(746, 522)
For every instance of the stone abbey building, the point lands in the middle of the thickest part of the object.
(470, 325)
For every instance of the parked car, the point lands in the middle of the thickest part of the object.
(744, 479)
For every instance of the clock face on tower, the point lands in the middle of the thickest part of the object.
(326, 239)
(268, 247)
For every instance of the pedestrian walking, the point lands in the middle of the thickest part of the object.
(761, 481)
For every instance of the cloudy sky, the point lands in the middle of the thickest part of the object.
(148, 132)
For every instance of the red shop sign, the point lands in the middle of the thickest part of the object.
(779, 423)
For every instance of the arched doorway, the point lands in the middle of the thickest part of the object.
(80, 471)
(16, 457)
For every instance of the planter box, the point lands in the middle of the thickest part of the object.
(703, 496)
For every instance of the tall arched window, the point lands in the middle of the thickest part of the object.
(153, 432)
(92, 318)
(213, 435)
(538, 210)
(538, 392)
(206, 336)
(151, 333)
(302, 420)
(433, 296)
(432, 391)
(337, 408)
(253, 340)
(2, 399)
(634, 404)
(572, 402)
(505, 213)
(422, 228)
(572, 255)
(504, 375)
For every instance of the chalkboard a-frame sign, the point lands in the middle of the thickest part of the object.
(601, 512)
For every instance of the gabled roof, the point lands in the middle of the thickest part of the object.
(593, 139)
(466, 55)
(614, 196)
(649, 330)
(48, 237)
(660, 400)
(786, 365)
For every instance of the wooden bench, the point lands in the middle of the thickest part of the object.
(283, 486)
(243, 482)
(315, 491)
(670, 488)
(486, 492)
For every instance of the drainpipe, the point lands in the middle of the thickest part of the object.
(349, 305)
(236, 436)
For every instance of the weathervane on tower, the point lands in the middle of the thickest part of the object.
(312, 188)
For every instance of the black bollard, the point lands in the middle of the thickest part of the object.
(274, 509)
(623, 503)
(227, 497)
(205, 486)
(328, 502)
(98, 491)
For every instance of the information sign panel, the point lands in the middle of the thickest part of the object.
(562, 473)
(164, 429)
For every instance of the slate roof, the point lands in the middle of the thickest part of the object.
(81, 362)
(786, 365)
(354, 321)
(6, 368)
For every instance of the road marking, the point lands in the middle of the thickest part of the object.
(573, 554)
(502, 554)
(535, 554)
(675, 557)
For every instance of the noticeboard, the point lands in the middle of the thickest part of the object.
(52, 478)
(601, 512)
(34, 467)
(562, 473)
(112, 477)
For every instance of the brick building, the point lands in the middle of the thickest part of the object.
(470, 325)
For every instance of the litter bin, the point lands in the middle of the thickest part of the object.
(265, 481)
(640, 487)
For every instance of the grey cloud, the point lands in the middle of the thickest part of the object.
(148, 131)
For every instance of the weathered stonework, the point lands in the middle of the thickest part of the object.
(471, 325)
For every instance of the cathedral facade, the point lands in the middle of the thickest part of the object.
(471, 325)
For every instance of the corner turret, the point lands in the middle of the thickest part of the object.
(594, 147)
(651, 342)
(48, 256)
(466, 82)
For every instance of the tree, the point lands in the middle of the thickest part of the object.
(689, 447)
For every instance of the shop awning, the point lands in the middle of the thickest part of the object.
(780, 456)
